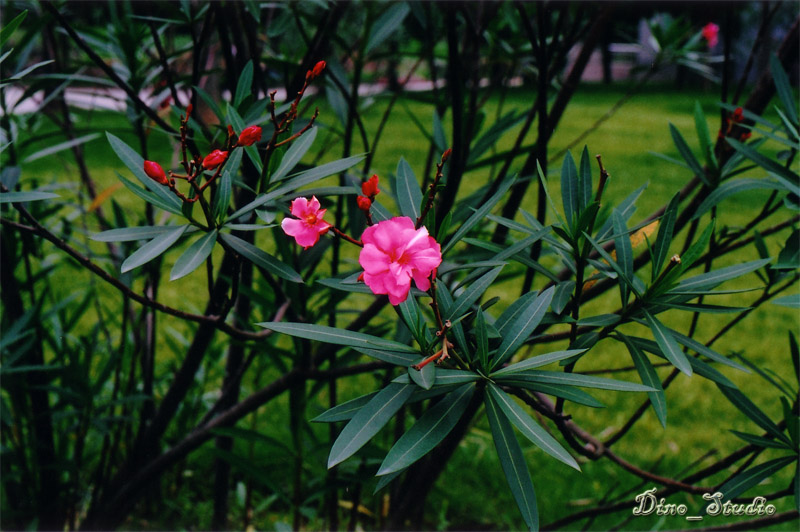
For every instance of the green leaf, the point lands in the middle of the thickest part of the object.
(628, 281)
(622, 244)
(194, 256)
(789, 179)
(10, 27)
(150, 197)
(701, 349)
(577, 379)
(529, 428)
(729, 188)
(61, 147)
(688, 156)
(585, 180)
(649, 378)
(464, 302)
(368, 421)
(387, 23)
(128, 234)
(222, 196)
(481, 339)
(479, 215)
(706, 281)
(408, 193)
(696, 249)
(397, 358)
(261, 258)
(753, 476)
(332, 335)
(135, 163)
(536, 362)
(570, 393)
(245, 85)
(20, 197)
(748, 408)
(569, 188)
(344, 411)
(153, 249)
(783, 87)
(294, 154)
(669, 347)
(703, 136)
(425, 377)
(513, 462)
(760, 441)
(428, 431)
(524, 324)
(664, 239)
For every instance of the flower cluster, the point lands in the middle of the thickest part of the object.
(393, 252)
(370, 189)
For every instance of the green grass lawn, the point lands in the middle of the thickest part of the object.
(473, 491)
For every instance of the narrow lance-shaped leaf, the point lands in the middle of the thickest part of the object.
(336, 336)
(649, 378)
(153, 249)
(194, 256)
(577, 379)
(428, 431)
(622, 244)
(669, 347)
(752, 477)
(408, 193)
(386, 24)
(789, 179)
(537, 362)
(569, 188)
(293, 155)
(244, 85)
(664, 239)
(344, 411)
(703, 136)
(368, 421)
(513, 462)
(687, 154)
(261, 258)
(222, 196)
(20, 197)
(478, 215)
(135, 163)
(529, 428)
(528, 319)
(748, 408)
(585, 180)
(472, 293)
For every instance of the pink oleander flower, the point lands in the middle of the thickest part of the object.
(155, 172)
(710, 33)
(214, 159)
(250, 135)
(395, 252)
(309, 223)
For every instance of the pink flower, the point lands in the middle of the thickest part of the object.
(394, 253)
(710, 32)
(309, 223)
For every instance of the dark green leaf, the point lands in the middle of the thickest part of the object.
(10, 27)
(665, 230)
(753, 476)
(783, 87)
(760, 441)
(709, 280)
(748, 408)
(222, 196)
(261, 258)
(517, 333)
(151, 197)
(669, 347)
(536, 362)
(408, 193)
(622, 244)
(135, 163)
(21, 197)
(386, 24)
(577, 379)
(245, 85)
(464, 302)
(529, 428)
(194, 256)
(789, 179)
(368, 421)
(585, 180)
(61, 147)
(153, 249)
(649, 378)
(294, 154)
(729, 188)
(479, 215)
(425, 377)
(344, 411)
(428, 431)
(687, 154)
(332, 335)
(397, 358)
(703, 136)
(513, 462)
(569, 188)
(696, 249)
(481, 340)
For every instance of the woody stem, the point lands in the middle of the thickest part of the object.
(347, 237)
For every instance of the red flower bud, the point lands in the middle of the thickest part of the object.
(738, 115)
(364, 203)
(188, 111)
(316, 71)
(155, 172)
(447, 153)
(214, 159)
(746, 135)
(250, 135)
(370, 187)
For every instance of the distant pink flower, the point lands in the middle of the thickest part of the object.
(394, 253)
(309, 223)
(710, 33)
